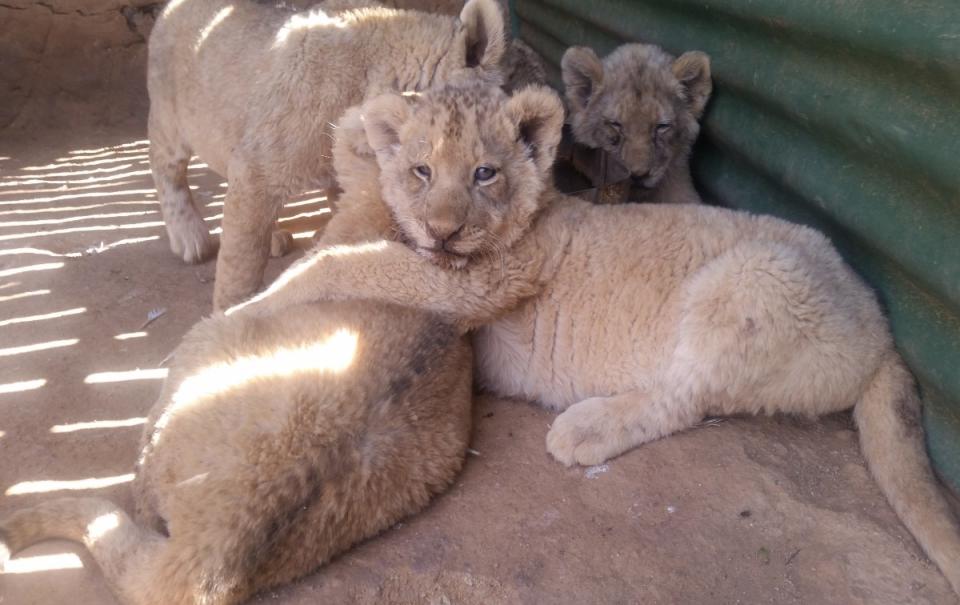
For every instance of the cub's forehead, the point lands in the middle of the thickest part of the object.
(453, 106)
(642, 71)
(460, 117)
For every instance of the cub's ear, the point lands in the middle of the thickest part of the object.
(582, 75)
(485, 38)
(538, 114)
(692, 69)
(383, 116)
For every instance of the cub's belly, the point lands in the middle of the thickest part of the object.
(558, 356)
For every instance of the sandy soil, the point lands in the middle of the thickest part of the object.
(743, 511)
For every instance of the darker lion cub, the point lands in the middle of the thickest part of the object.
(639, 107)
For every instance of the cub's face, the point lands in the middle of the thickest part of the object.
(463, 168)
(639, 105)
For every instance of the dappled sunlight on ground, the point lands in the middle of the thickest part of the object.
(125, 375)
(42, 563)
(39, 487)
(40, 346)
(97, 424)
(92, 301)
(23, 385)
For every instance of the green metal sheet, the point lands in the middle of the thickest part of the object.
(844, 115)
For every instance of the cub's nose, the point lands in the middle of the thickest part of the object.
(639, 179)
(444, 232)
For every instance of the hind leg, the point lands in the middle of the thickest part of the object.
(759, 332)
(142, 566)
(189, 237)
(774, 327)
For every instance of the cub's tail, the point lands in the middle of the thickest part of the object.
(891, 436)
(129, 556)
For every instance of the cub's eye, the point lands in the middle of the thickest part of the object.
(484, 174)
(663, 128)
(422, 171)
(616, 128)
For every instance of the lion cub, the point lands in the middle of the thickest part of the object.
(637, 114)
(644, 318)
(253, 90)
(276, 443)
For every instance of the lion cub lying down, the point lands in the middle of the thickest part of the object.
(645, 318)
(253, 91)
(637, 114)
(276, 443)
(279, 441)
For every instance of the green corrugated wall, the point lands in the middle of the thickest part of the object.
(844, 115)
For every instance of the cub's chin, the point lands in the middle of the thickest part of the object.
(649, 179)
(442, 258)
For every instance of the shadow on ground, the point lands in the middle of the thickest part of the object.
(743, 511)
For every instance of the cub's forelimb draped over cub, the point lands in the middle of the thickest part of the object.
(644, 318)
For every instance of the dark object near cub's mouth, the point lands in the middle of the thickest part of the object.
(598, 175)
(639, 180)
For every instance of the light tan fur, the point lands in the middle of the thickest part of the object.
(520, 66)
(641, 107)
(278, 442)
(253, 90)
(646, 318)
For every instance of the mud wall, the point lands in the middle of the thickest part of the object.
(73, 63)
(77, 64)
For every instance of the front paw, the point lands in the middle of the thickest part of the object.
(191, 241)
(586, 434)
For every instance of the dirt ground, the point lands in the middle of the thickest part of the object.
(747, 510)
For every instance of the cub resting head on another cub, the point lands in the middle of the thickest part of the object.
(700, 310)
(278, 442)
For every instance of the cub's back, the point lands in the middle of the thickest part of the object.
(203, 56)
(395, 380)
(280, 441)
(610, 310)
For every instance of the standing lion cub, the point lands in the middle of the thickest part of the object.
(644, 318)
(253, 91)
